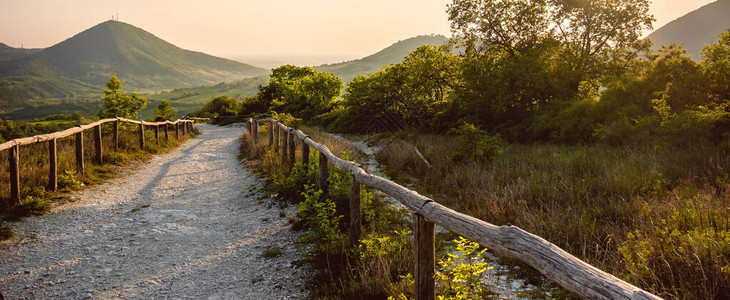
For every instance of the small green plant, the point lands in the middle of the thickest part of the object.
(460, 276)
(321, 219)
(475, 144)
(381, 256)
(272, 252)
(29, 206)
(116, 158)
(68, 180)
(6, 231)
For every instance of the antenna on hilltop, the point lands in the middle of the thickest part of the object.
(117, 16)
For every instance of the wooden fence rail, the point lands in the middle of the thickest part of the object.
(555, 263)
(51, 138)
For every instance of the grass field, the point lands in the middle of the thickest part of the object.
(657, 217)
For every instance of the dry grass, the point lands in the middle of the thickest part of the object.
(647, 214)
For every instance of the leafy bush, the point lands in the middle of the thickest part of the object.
(29, 206)
(475, 144)
(383, 257)
(460, 276)
(322, 220)
(68, 180)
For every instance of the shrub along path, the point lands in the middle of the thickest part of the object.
(189, 224)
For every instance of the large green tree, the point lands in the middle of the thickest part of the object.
(221, 106)
(417, 89)
(118, 104)
(300, 91)
(165, 111)
(716, 64)
(590, 32)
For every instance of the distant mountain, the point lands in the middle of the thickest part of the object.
(695, 29)
(390, 55)
(141, 60)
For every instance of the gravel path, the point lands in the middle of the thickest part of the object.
(190, 224)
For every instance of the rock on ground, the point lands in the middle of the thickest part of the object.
(190, 224)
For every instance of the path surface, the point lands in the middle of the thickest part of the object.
(189, 224)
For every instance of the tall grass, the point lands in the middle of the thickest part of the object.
(370, 270)
(655, 216)
(34, 162)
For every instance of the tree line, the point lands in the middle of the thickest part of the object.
(528, 70)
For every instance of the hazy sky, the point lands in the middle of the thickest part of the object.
(242, 28)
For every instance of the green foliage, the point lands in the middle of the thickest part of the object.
(221, 106)
(67, 180)
(716, 65)
(165, 111)
(300, 91)
(475, 144)
(322, 221)
(385, 256)
(12, 130)
(460, 276)
(289, 184)
(693, 237)
(28, 206)
(589, 34)
(118, 104)
(272, 252)
(6, 231)
(416, 90)
(285, 118)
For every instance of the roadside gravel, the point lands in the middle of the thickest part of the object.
(189, 224)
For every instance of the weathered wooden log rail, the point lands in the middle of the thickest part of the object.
(555, 263)
(184, 125)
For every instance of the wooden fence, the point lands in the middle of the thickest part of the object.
(555, 263)
(13, 146)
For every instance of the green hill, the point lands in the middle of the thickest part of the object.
(390, 55)
(695, 29)
(82, 64)
(10, 53)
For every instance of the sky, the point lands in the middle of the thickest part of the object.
(325, 30)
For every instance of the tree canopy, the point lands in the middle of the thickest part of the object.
(300, 91)
(118, 104)
(165, 111)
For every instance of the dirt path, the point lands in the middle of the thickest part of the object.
(187, 225)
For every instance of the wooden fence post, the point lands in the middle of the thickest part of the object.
(292, 148)
(305, 154)
(115, 133)
(255, 131)
(324, 174)
(53, 163)
(284, 148)
(184, 131)
(14, 160)
(355, 216)
(80, 153)
(177, 131)
(167, 135)
(141, 136)
(276, 138)
(425, 258)
(97, 145)
(157, 134)
(271, 134)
